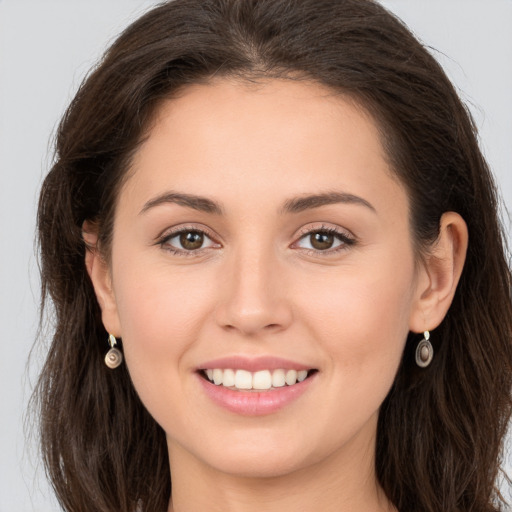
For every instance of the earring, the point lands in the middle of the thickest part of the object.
(114, 357)
(424, 351)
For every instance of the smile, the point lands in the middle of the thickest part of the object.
(255, 386)
(262, 380)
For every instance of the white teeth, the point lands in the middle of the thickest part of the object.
(278, 378)
(291, 377)
(229, 378)
(261, 380)
(243, 379)
(301, 375)
(218, 376)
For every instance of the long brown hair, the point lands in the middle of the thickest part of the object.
(441, 429)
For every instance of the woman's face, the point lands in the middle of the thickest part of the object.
(261, 230)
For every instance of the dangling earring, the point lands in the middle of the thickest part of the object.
(114, 356)
(424, 351)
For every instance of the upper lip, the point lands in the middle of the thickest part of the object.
(253, 364)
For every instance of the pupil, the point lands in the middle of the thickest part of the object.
(322, 241)
(191, 240)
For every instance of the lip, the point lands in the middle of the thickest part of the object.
(254, 403)
(253, 364)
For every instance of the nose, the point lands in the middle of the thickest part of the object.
(254, 299)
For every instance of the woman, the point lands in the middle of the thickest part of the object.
(278, 274)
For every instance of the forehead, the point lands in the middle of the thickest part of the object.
(279, 136)
(283, 111)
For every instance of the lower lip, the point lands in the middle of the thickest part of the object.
(255, 403)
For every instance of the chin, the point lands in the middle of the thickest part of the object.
(261, 454)
(259, 465)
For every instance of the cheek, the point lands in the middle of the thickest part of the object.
(161, 314)
(361, 319)
(362, 326)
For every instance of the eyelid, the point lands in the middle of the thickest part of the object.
(344, 235)
(186, 227)
(170, 233)
(314, 228)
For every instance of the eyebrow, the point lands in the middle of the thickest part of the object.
(294, 205)
(203, 204)
(299, 204)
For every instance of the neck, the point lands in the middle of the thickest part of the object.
(344, 481)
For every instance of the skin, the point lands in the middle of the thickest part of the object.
(258, 287)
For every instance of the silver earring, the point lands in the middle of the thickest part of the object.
(114, 356)
(424, 351)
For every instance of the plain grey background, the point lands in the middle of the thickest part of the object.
(46, 47)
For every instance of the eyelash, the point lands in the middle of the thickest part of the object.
(345, 239)
(163, 241)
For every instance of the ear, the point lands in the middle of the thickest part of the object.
(440, 273)
(99, 273)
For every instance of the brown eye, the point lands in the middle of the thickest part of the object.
(191, 240)
(188, 242)
(321, 240)
(327, 240)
